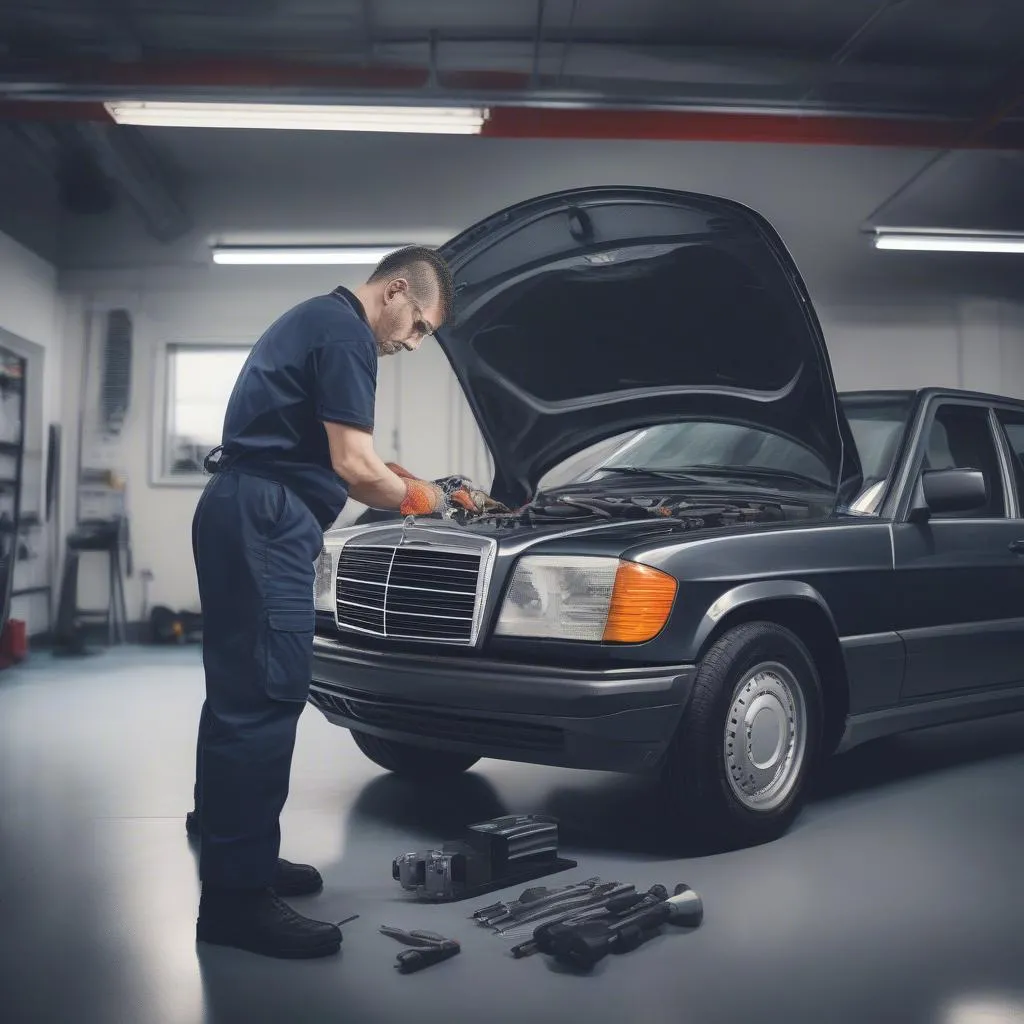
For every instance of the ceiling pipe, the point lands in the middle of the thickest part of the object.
(627, 110)
(680, 84)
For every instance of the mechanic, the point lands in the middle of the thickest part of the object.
(297, 441)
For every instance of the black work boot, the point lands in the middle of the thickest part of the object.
(258, 921)
(290, 879)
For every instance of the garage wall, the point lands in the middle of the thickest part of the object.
(899, 321)
(32, 324)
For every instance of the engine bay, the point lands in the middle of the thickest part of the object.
(682, 513)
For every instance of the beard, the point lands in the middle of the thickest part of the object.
(387, 327)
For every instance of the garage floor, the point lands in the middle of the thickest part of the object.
(898, 897)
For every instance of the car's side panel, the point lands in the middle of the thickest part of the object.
(874, 669)
(845, 563)
(958, 580)
(924, 714)
(841, 569)
(962, 592)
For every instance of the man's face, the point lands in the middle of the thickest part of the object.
(405, 320)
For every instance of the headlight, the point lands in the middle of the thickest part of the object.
(323, 588)
(586, 598)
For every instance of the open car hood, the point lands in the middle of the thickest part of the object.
(588, 313)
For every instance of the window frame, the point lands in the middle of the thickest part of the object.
(158, 475)
(1014, 463)
(912, 473)
(884, 505)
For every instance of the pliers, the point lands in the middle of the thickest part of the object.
(431, 948)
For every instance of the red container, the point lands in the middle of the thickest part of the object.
(13, 643)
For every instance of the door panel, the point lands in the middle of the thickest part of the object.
(961, 586)
(962, 598)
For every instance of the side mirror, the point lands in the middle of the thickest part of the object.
(941, 491)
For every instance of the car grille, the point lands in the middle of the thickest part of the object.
(408, 592)
(432, 723)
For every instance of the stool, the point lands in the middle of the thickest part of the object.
(105, 536)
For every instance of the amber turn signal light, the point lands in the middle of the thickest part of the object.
(642, 599)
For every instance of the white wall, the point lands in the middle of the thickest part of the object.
(890, 319)
(32, 323)
(422, 418)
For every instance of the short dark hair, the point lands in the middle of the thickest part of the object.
(426, 271)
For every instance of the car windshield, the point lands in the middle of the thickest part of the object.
(717, 450)
(712, 451)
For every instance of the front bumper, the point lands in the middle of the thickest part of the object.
(612, 720)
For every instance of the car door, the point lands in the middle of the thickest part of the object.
(959, 577)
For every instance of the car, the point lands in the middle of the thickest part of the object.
(714, 569)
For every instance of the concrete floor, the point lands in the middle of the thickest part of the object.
(897, 898)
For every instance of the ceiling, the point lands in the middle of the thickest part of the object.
(934, 57)
(940, 75)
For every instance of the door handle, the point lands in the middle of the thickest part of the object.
(1017, 547)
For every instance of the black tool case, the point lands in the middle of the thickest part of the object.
(493, 855)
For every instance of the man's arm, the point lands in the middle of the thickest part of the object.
(358, 464)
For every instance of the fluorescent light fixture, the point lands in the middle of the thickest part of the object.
(949, 241)
(301, 255)
(299, 117)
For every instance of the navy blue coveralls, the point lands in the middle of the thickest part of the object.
(256, 534)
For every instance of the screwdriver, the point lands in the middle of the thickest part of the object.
(585, 944)
(531, 899)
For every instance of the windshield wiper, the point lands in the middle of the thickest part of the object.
(759, 473)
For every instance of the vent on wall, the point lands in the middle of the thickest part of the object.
(115, 384)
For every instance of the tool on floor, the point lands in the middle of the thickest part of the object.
(567, 908)
(534, 897)
(616, 906)
(431, 948)
(494, 855)
(522, 910)
(338, 924)
(583, 945)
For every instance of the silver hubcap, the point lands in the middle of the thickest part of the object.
(765, 736)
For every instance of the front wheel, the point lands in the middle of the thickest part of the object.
(736, 773)
(418, 762)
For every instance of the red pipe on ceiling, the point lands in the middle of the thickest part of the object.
(706, 126)
(506, 122)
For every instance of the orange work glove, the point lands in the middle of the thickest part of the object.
(424, 498)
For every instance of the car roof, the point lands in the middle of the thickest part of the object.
(929, 392)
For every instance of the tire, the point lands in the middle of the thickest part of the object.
(731, 795)
(406, 759)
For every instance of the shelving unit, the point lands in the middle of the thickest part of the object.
(12, 459)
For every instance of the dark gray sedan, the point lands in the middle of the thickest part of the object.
(716, 569)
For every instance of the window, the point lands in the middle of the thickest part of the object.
(1013, 430)
(692, 446)
(960, 437)
(877, 423)
(197, 382)
(697, 444)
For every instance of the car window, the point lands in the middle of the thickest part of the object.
(960, 437)
(877, 423)
(1013, 430)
